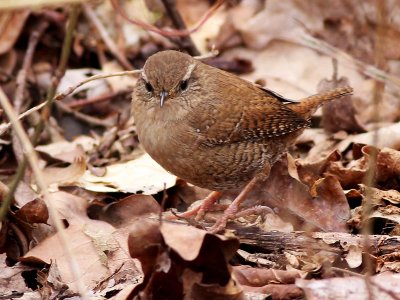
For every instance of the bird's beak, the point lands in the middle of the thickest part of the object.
(163, 96)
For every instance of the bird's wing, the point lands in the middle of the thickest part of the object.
(277, 96)
(256, 121)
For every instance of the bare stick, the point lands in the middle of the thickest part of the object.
(26, 65)
(18, 100)
(169, 32)
(186, 40)
(369, 70)
(70, 90)
(369, 178)
(31, 156)
(96, 99)
(81, 116)
(92, 78)
(106, 38)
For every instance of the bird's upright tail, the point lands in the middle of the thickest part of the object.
(309, 105)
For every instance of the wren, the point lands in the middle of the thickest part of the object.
(212, 128)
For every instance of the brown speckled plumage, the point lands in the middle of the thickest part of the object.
(215, 130)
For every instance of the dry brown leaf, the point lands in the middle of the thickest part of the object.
(33, 212)
(310, 171)
(11, 278)
(123, 212)
(388, 262)
(142, 174)
(354, 256)
(328, 211)
(99, 249)
(388, 164)
(174, 250)
(188, 242)
(51, 282)
(68, 175)
(378, 197)
(68, 151)
(388, 212)
(284, 22)
(349, 176)
(11, 25)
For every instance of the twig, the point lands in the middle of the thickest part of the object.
(345, 271)
(369, 178)
(31, 156)
(92, 78)
(368, 70)
(26, 65)
(65, 52)
(106, 38)
(211, 54)
(18, 100)
(21, 81)
(70, 90)
(169, 32)
(82, 116)
(97, 99)
(73, 17)
(186, 40)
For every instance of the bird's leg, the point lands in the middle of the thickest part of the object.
(201, 210)
(233, 209)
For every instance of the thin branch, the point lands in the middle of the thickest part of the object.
(32, 157)
(92, 78)
(167, 31)
(70, 90)
(83, 117)
(72, 20)
(26, 65)
(186, 40)
(30, 154)
(96, 99)
(18, 100)
(368, 70)
(60, 71)
(106, 38)
(369, 178)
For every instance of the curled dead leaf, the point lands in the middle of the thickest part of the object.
(33, 212)
(123, 212)
(172, 251)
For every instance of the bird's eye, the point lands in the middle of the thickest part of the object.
(184, 85)
(149, 87)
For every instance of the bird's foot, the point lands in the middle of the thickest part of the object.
(200, 211)
(232, 213)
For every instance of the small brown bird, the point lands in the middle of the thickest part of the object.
(214, 129)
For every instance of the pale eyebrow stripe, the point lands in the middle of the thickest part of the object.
(144, 76)
(189, 71)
